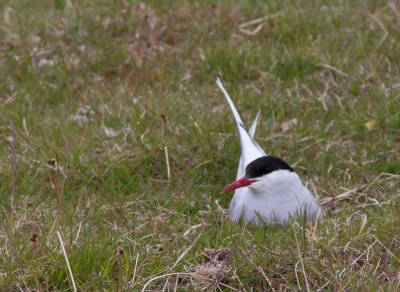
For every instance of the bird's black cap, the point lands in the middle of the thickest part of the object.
(265, 165)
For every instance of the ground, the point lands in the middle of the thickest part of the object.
(115, 141)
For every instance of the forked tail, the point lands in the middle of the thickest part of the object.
(250, 149)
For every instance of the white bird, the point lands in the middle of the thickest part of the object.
(267, 190)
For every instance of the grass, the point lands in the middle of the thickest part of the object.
(96, 97)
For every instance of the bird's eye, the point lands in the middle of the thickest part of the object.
(268, 169)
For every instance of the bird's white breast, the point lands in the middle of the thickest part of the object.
(276, 197)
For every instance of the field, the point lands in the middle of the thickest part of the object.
(115, 141)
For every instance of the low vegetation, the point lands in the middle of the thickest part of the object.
(115, 143)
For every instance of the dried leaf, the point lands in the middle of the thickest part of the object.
(110, 132)
(83, 115)
(7, 15)
(286, 126)
(370, 125)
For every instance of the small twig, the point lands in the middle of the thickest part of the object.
(134, 271)
(167, 162)
(364, 252)
(377, 266)
(13, 166)
(25, 127)
(66, 260)
(183, 274)
(132, 281)
(334, 69)
(323, 286)
(192, 228)
(388, 250)
(301, 262)
(8, 233)
(377, 203)
(260, 22)
(186, 251)
(372, 183)
(323, 96)
(364, 187)
(77, 234)
(220, 274)
(225, 261)
(354, 261)
(176, 284)
(393, 7)
(54, 174)
(380, 24)
(368, 259)
(263, 274)
(165, 285)
(296, 274)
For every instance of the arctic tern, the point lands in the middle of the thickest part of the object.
(267, 189)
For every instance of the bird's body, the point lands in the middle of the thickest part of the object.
(267, 189)
(286, 197)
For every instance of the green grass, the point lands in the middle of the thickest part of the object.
(104, 87)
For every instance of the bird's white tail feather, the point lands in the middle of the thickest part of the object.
(250, 149)
(231, 104)
(253, 127)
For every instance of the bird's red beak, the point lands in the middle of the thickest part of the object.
(243, 182)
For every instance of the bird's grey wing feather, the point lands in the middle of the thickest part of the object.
(241, 169)
(253, 127)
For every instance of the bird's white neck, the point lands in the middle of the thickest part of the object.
(277, 183)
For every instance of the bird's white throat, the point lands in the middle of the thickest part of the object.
(277, 183)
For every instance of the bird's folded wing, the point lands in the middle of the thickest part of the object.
(241, 169)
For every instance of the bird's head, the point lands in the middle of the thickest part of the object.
(263, 173)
